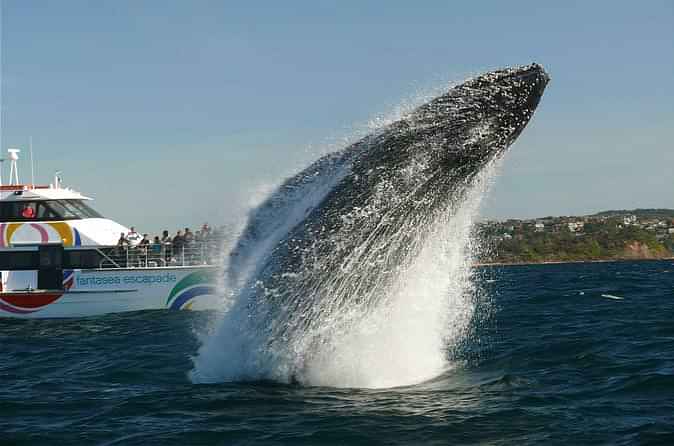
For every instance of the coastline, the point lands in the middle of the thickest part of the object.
(561, 262)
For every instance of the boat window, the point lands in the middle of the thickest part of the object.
(84, 210)
(17, 210)
(62, 209)
(46, 210)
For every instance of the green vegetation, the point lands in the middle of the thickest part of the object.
(610, 235)
(640, 213)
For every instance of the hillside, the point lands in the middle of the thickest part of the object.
(639, 213)
(607, 235)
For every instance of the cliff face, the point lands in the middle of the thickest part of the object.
(638, 250)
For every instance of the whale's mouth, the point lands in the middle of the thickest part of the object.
(533, 73)
(535, 76)
(527, 81)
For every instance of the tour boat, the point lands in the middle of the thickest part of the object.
(58, 258)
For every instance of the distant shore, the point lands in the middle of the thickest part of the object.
(609, 236)
(562, 262)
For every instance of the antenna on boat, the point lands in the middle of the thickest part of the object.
(57, 179)
(2, 161)
(32, 169)
(13, 168)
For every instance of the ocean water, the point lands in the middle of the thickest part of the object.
(556, 354)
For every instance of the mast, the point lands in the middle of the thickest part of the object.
(13, 167)
(32, 169)
(1, 79)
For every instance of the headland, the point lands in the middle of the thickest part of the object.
(638, 234)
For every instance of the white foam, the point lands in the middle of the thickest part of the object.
(406, 340)
(611, 296)
(403, 340)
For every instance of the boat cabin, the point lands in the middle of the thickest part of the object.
(25, 205)
(32, 214)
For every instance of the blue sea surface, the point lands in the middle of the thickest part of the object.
(559, 354)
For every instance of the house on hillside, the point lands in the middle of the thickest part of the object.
(576, 226)
(629, 220)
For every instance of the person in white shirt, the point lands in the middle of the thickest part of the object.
(133, 237)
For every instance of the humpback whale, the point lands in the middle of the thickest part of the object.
(325, 247)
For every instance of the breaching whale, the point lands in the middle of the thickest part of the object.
(327, 244)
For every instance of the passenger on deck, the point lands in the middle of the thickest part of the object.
(123, 241)
(178, 245)
(189, 237)
(122, 247)
(143, 246)
(133, 237)
(145, 240)
(189, 246)
(166, 245)
(28, 211)
(156, 247)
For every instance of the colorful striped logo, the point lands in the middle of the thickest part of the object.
(62, 231)
(200, 283)
(30, 302)
(27, 302)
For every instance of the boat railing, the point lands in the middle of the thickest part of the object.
(159, 255)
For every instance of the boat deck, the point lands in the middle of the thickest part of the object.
(159, 256)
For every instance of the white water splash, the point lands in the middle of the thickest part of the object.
(408, 338)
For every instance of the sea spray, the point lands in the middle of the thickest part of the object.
(412, 337)
(408, 338)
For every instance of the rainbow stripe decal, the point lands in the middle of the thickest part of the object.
(68, 235)
(196, 284)
(27, 302)
(30, 302)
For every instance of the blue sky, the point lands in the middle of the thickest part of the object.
(171, 113)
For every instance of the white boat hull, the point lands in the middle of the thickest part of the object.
(103, 291)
